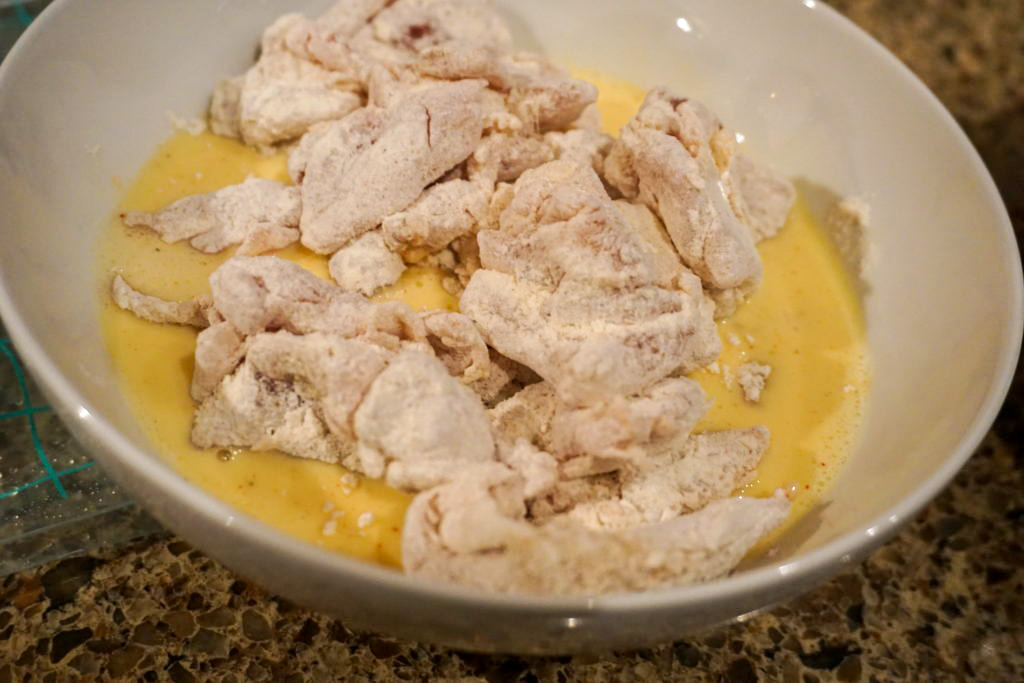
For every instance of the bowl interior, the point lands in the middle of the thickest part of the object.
(83, 101)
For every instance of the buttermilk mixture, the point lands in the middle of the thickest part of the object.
(433, 302)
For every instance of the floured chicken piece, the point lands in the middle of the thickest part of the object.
(326, 40)
(376, 162)
(606, 434)
(295, 393)
(258, 215)
(672, 157)
(543, 95)
(365, 265)
(569, 290)
(289, 88)
(265, 293)
(847, 222)
(225, 103)
(540, 95)
(503, 158)
(548, 427)
(454, 60)
(283, 95)
(445, 211)
(626, 431)
(707, 467)
(413, 422)
(156, 310)
(760, 198)
(418, 427)
(406, 28)
(472, 531)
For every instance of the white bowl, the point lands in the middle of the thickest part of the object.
(83, 98)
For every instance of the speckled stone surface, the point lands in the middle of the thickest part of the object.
(943, 601)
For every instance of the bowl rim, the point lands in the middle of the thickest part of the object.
(824, 560)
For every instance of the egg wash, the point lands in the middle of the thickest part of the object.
(805, 321)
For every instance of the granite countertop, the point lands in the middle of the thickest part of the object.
(943, 601)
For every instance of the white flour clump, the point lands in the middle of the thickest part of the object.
(752, 378)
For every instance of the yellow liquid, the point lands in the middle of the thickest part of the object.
(805, 322)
